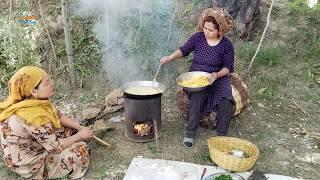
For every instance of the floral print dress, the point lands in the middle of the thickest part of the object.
(36, 152)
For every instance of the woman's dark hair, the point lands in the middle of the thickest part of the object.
(212, 20)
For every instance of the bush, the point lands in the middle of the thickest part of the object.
(17, 48)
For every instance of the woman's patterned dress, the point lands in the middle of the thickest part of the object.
(36, 152)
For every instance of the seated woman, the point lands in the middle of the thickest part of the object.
(213, 53)
(36, 138)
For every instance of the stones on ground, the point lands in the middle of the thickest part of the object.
(114, 98)
(114, 101)
(261, 105)
(313, 158)
(116, 119)
(99, 125)
(282, 154)
(97, 104)
(298, 131)
(112, 109)
(67, 109)
(115, 172)
(90, 112)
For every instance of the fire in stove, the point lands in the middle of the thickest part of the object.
(142, 129)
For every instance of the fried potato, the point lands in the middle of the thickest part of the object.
(196, 82)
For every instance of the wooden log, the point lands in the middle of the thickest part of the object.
(156, 133)
(101, 141)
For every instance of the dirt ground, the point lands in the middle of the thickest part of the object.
(282, 129)
(266, 124)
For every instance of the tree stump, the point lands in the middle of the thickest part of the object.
(244, 13)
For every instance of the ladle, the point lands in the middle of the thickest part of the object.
(155, 76)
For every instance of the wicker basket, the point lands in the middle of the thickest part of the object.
(220, 146)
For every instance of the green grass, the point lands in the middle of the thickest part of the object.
(266, 93)
(265, 57)
(312, 97)
(267, 84)
(202, 156)
(64, 178)
(304, 44)
(153, 149)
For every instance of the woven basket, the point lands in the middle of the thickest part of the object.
(220, 146)
(240, 93)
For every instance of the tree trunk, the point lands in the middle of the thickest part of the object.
(243, 12)
(69, 50)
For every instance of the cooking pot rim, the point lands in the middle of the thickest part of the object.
(129, 84)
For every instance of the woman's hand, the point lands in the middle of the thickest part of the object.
(165, 60)
(176, 55)
(78, 127)
(214, 75)
(223, 72)
(85, 133)
(69, 123)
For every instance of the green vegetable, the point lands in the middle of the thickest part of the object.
(223, 177)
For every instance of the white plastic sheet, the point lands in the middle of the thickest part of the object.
(159, 169)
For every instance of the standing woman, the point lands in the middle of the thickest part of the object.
(36, 138)
(212, 53)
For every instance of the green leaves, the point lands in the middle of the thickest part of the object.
(17, 48)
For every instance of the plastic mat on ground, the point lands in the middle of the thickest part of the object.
(159, 169)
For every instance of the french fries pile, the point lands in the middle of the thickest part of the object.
(195, 82)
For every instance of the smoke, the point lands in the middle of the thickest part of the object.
(134, 34)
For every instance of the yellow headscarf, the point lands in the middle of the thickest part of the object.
(36, 112)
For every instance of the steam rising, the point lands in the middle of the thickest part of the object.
(134, 34)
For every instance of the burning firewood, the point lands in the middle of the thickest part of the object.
(142, 129)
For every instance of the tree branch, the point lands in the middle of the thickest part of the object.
(69, 50)
(48, 34)
(262, 37)
(140, 22)
(10, 9)
(174, 12)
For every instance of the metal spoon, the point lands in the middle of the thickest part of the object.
(155, 76)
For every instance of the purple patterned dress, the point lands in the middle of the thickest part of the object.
(211, 59)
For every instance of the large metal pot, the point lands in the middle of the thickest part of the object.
(146, 84)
